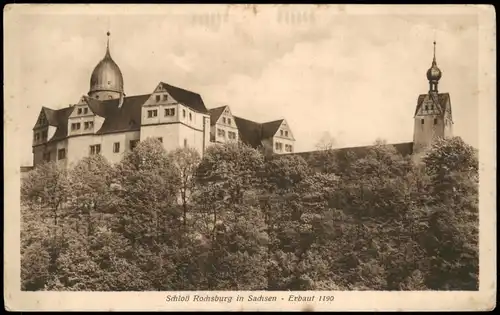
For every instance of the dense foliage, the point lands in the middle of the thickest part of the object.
(237, 220)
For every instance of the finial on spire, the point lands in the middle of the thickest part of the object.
(434, 51)
(107, 45)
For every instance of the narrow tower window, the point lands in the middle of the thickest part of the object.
(422, 121)
(435, 121)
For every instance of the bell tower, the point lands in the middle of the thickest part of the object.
(432, 117)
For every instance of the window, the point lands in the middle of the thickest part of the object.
(432, 107)
(288, 147)
(221, 133)
(37, 136)
(61, 154)
(160, 139)
(79, 111)
(281, 133)
(44, 135)
(158, 97)
(286, 134)
(223, 120)
(97, 97)
(75, 126)
(231, 135)
(88, 124)
(435, 121)
(85, 110)
(46, 156)
(116, 147)
(165, 97)
(279, 146)
(422, 121)
(169, 111)
(133, 144)
(185, 143)
(426, 107)
(229, 121)
(190, 116)
(184, 113)
(95, 149)
(152, 113)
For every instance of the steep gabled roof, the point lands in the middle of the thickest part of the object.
(442, 102)
(188, 98)
(269, 129)
(250, 131)
(51, 116)
(61, 116)
(215, 114)
(124, 118)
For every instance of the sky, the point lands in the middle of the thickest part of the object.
(344, 74)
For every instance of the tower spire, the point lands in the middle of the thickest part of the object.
(433, 60)
(107, 46)
(434, 73)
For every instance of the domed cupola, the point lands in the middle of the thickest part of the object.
(434, 73)
(106, 81)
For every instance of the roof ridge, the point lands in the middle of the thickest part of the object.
(176, 87)
(219, 107)
(258, 123)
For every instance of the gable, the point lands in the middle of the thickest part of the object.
(41, 121)
(161, 96)
(439, 103)
(285, 131)
(215, 114)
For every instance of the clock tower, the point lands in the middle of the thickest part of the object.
(432, 117)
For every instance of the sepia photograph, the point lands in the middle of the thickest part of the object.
(249, 157)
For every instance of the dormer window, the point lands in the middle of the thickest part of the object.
(165, 97)
(190, 116)
(281, 133)
(229, 121)
(158, 97)
(85, 110)
(223, 120)
(44, 135)
(79, 111)
(286, 133)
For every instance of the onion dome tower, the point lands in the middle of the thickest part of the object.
(434, 74)
(106, 81)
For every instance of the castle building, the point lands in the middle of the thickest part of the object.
(106, 121)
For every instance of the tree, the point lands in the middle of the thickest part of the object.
(147, 213)
(186, 160)
(229, 219)
(43, 198)
(451, 239)
(90, 182)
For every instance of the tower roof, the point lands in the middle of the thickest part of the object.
(434, 73)
(106, 76)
